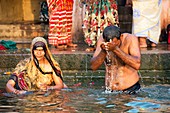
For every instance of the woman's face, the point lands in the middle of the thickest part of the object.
(39, 53)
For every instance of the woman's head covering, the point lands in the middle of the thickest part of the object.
(39, 42)
(38, 39)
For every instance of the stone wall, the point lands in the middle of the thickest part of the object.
(154, 64)
(22, 33)
(16, 11)
(19, 20)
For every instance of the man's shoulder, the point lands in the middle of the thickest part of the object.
(128, 35)
(129, 38)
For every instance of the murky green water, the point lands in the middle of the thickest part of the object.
(87, 95)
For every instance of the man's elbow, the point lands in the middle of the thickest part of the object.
(137, 65)
(94, 68)
(92, 65)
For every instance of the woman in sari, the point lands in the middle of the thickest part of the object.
(60, 22)
(39, 72)
(98, 15)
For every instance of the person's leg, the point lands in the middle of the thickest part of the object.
(71, 45)
(142, 42)
(153, 44)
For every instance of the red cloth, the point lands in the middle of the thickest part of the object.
(168, 33)
(60, 22)
(2, 47)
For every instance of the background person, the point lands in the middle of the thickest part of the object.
(60, 23)
(98, 15)
(122, 58)
(146, 21)
(39, 72)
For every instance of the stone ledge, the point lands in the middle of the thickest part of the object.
(80, 61)
(22, 32)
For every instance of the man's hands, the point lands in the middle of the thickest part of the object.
(109, 46)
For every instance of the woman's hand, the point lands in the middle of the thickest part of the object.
(19, 92)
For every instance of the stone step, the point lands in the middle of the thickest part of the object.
(22, 32)
(76, 60)
(124, 10)
(125, 18)
(126, 27)
(25, 32)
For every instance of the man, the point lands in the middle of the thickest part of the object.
(122, 58)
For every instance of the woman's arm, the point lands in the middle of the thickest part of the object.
(58, 83)
(10, 86)
(11, 89)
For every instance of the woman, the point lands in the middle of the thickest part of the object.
(40, 72)
(98, 15)
(146, 21)
(60, 22)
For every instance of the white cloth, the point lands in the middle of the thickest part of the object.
(146, 19)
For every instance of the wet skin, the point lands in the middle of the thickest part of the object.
(125, 56)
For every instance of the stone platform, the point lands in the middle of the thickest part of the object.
(75, 61)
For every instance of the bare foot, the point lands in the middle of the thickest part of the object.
(72, 45)
(153, 44)
(142, 42)
(62, 46)
(143, 46)
(90, 49)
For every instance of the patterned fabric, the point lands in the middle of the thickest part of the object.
(146, 19)
(98, 15)
(32, 75)
(60, 21)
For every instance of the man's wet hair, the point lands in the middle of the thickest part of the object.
(111, 32)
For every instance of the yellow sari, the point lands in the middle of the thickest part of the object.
(33, 77)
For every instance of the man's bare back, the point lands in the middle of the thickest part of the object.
(125, 57)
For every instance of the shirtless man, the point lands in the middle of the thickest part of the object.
(122, 58)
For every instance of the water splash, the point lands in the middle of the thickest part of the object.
(111, 71)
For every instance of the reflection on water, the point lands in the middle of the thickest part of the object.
(89, 98)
